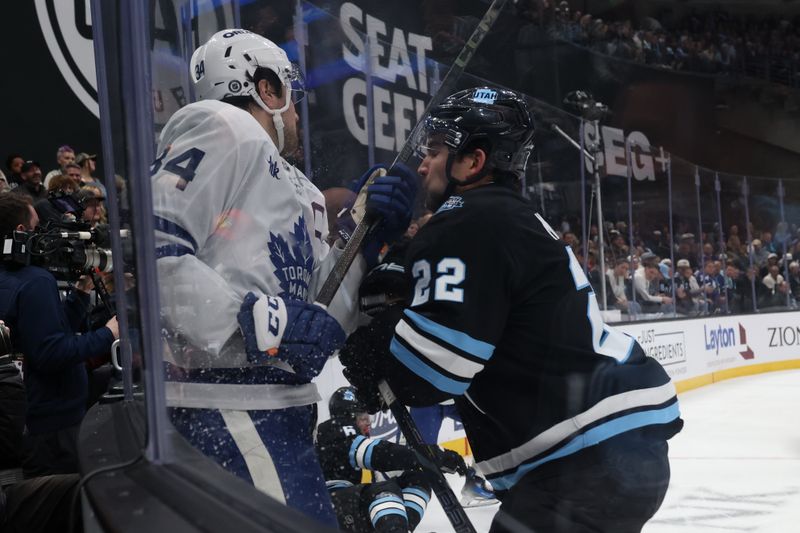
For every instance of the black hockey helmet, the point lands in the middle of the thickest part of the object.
(497, 116)
(344, 404)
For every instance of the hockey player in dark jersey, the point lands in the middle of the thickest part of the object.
(345, 451)
(567, 417)
(386, 286)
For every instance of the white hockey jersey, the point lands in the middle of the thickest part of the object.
(233, 216)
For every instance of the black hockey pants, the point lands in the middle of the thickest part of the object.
(615, 486)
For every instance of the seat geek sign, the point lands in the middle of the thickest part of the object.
(646, 162)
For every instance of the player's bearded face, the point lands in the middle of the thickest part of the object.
(290, 136)
(433, 170)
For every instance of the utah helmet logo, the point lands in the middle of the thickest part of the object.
(67, 30)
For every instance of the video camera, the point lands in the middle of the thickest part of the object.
(67, 249)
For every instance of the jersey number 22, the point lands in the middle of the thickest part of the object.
(450, 273)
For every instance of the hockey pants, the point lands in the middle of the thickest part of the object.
(615, 486)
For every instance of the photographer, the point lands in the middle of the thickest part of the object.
(43, 331)
(34, 505)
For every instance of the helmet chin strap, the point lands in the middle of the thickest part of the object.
(452, 183)
(277, 116)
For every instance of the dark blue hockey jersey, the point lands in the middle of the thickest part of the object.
(503, 318)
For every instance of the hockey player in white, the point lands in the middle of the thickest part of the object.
(242, 250)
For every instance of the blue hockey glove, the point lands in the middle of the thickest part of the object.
(303, 335)
(389, 199)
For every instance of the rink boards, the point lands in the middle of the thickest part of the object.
(695, 352)
(701, 351)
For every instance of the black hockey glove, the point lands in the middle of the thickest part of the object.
(450, 462)
(365, 354)
(446, 461)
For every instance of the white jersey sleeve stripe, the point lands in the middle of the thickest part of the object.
(437, 354)
(544, 441)
(458, 339)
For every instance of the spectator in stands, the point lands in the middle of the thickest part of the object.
(14, 164)
(759, 253)
(666, 279)
(708, 253)
(710, 42)
(724, 284)
(709, 283)
(686, 248)
(90, 199)
(618, 246)
(42, 329)
(59, 204)
(734, 244)
(74, 171)
(776, 288)
(87, 165)
(772, 260)
(753, 285)
(64, 156)
(736, 284)
(619, 283)
(767, 243)
(645, 283)
(659, 244)
(31, 185)
(773, 278)
(687, 291)
(794, 280)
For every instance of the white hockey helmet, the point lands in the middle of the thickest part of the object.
(225, 66)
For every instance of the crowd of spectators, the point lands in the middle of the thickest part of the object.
(710, 42)
(708, 278)
(59, 339)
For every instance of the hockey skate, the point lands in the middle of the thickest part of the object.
(477, 492)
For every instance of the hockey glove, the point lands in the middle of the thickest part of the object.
(302, 334)
(449, 461)
(365, 353)
(389, 200)
(446, 461)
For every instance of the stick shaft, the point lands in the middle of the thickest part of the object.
(449, 83)
(444, 493)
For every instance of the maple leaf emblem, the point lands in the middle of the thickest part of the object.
(294, 263)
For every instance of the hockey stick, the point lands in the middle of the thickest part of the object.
(449, 83)
(444, 493)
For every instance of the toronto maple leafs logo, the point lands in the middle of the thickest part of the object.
(294, 262)
(273, 168)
